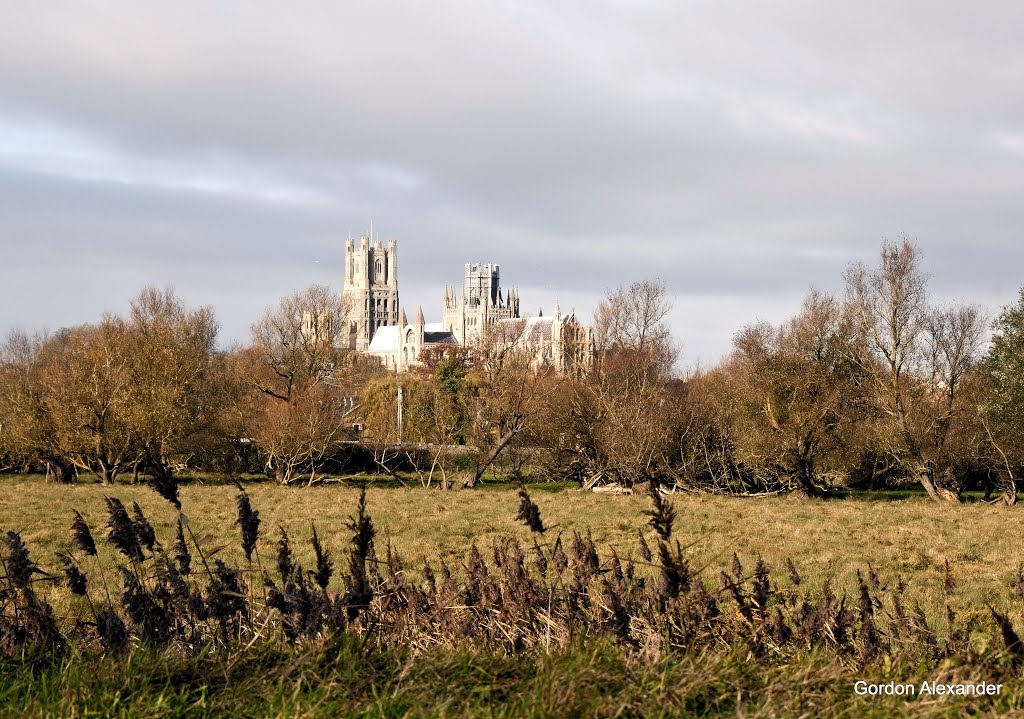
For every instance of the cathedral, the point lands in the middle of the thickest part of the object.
(481, 311)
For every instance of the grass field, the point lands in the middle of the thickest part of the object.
(912, 538)
(826, 540)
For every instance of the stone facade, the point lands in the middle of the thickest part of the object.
(398, 347)
(481, 303)
(370, 291)
(559, 340)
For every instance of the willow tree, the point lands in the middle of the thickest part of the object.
(138, 391)
(86, 383)
(303, 381)
(916, 359)
(800, 390)
(177, 379)
(1004, 369)
(28, 433)
(615, 420)
(512, 382)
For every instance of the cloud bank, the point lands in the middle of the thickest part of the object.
(741, 152)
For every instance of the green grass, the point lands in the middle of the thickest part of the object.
(344, 678)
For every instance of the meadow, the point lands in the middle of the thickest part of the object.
(957, 563)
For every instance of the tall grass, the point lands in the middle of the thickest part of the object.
(175, 603)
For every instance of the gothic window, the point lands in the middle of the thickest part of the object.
(377, 272)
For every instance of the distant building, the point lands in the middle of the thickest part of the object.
(371, 290)
(316, 327)
(481, 312)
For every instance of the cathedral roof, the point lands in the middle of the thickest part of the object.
(443, 337)
(387, 338)
(434, 333)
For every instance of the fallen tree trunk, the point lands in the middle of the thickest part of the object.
(496, 449)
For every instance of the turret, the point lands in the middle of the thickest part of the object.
(556, 328)
(402, 321)
(392, 263)
(418, 328)
(349, 247)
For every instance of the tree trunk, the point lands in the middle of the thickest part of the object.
(1009, 496)
(59, 470)
(496, 449)
(990, 487)
(937, 493)
(106, 477)
(805, 483)
(804, 475)
(924, 476)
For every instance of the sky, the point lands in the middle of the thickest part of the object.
(741, 152)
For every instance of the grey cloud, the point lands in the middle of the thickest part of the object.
(743, 152)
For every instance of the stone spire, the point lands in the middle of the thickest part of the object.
(402, 321)
(419, 315)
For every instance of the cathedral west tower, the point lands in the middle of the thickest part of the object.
(371, 289)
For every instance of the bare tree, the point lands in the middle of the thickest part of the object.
(512, 381)
(634, 317)
(912, 355)
(616, 419)
(954, 340)
(124, 391)
(303, 380)
(27, 430)
(86, 384)
(177, 383)
(800, 389)
(708, 424)
(298, 341)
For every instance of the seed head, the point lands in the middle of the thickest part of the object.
(529, 513)
(82, 536)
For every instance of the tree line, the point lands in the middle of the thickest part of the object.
(151, 393)
(875, 387)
